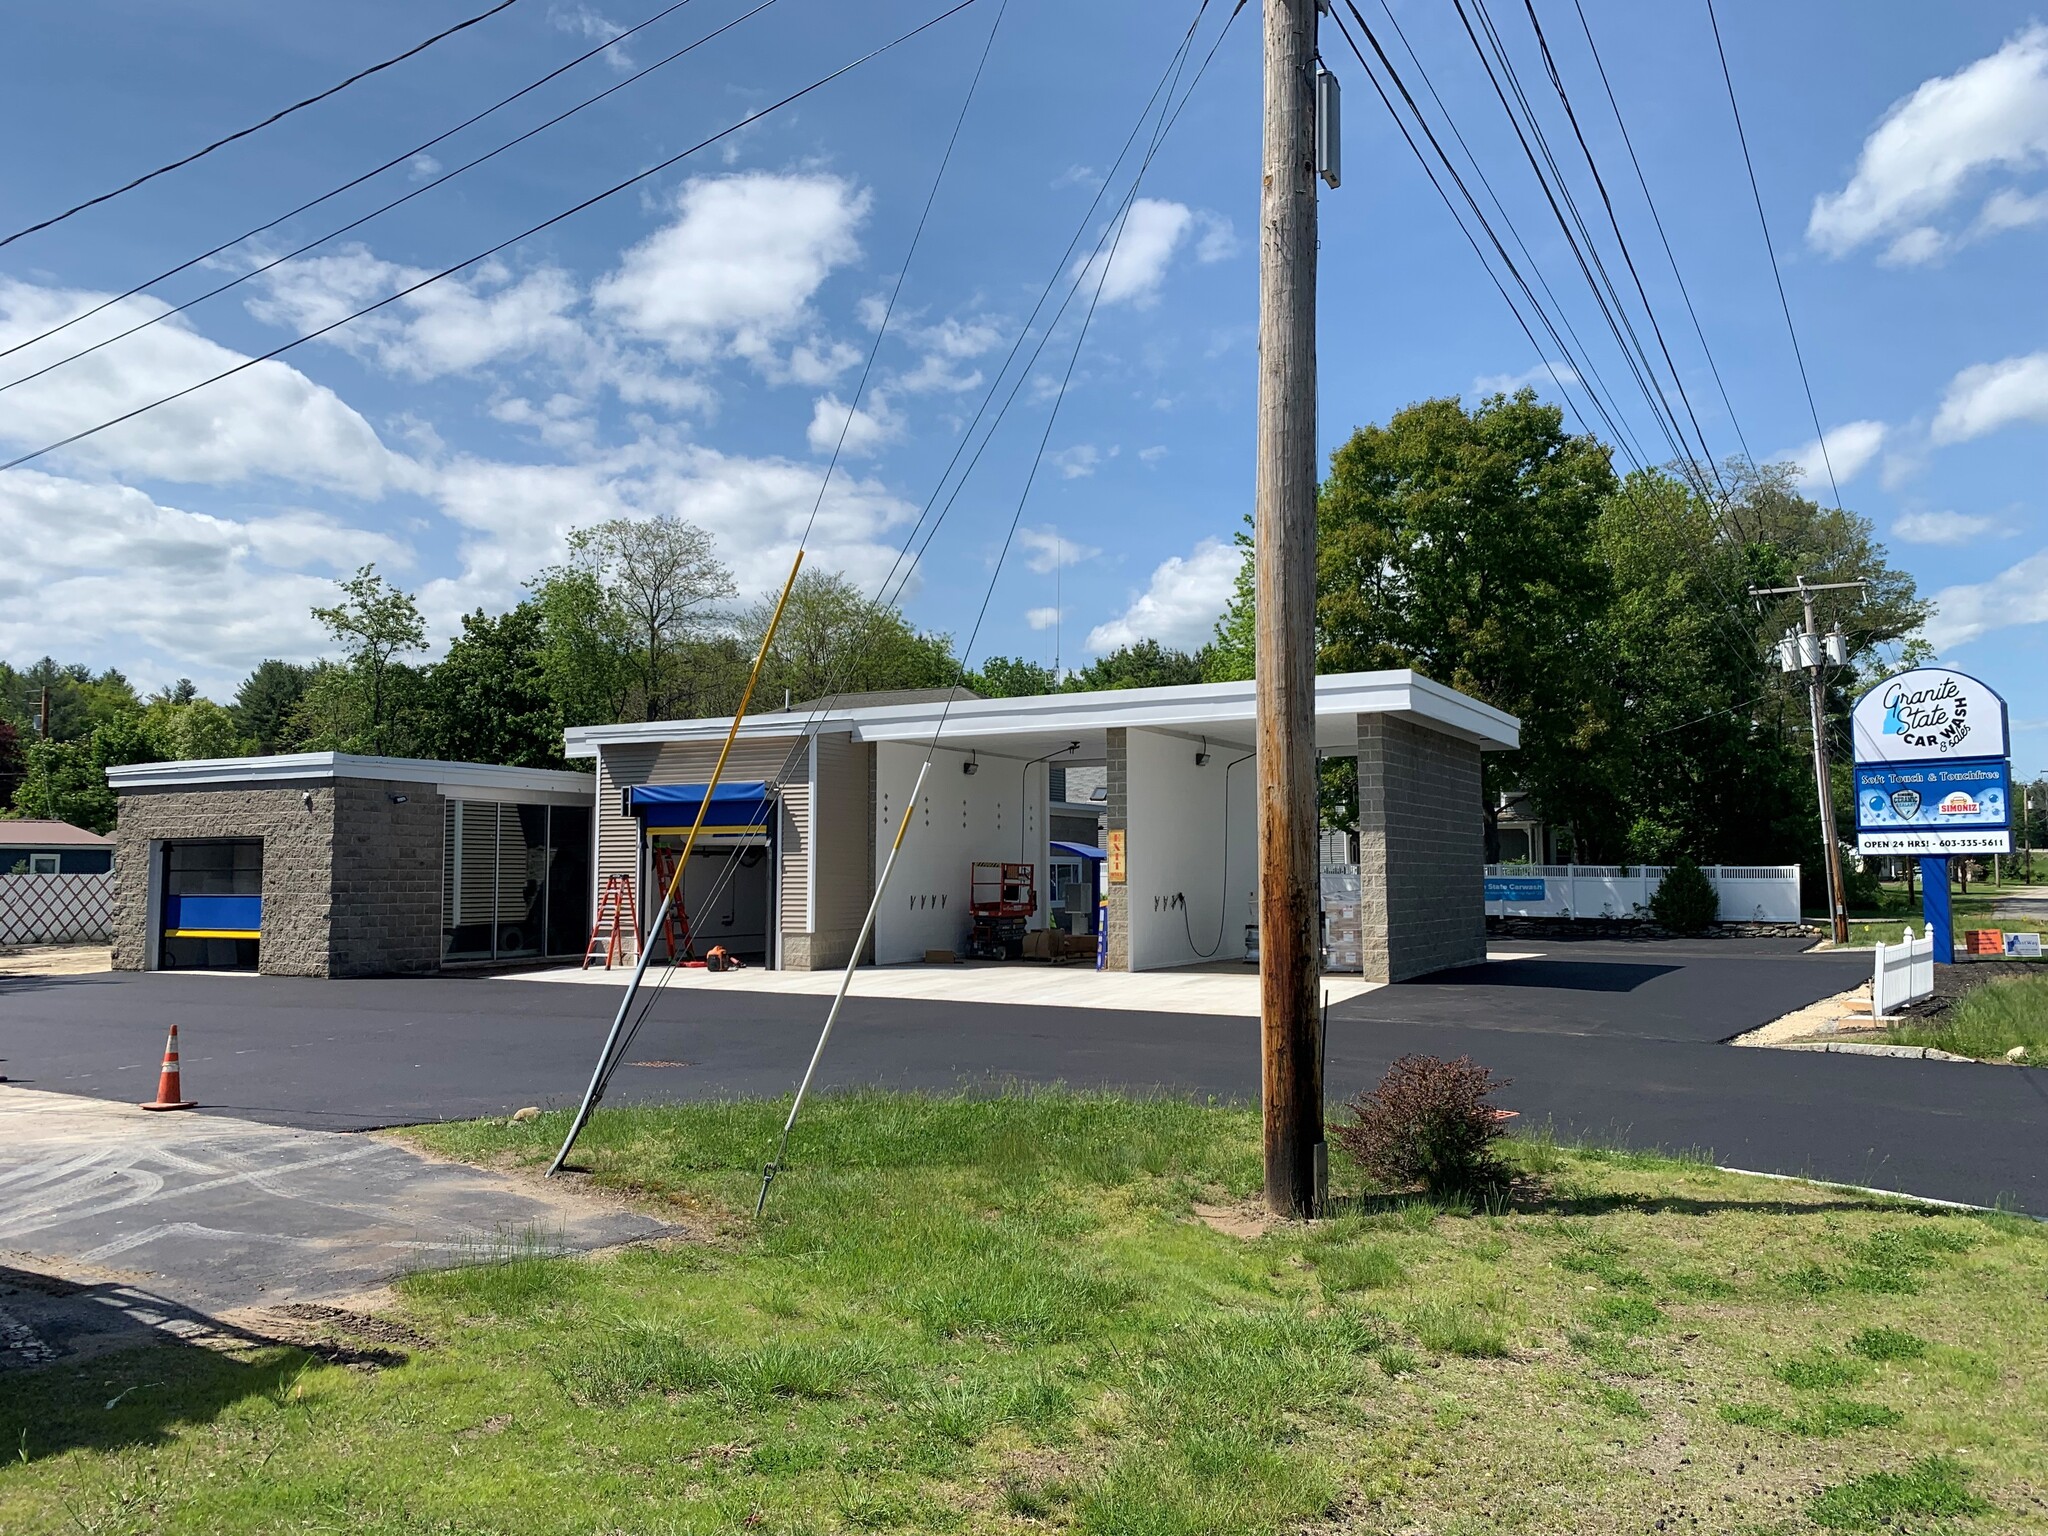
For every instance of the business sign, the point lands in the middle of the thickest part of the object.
(1117, 867)
(1512, 889)
(1929, 715)
(1932, 775)
(2023, 946)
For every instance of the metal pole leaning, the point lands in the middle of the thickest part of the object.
(846, 980)
(601, 1074)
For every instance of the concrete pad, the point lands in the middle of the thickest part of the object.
(211, 1213)
(1198, 989)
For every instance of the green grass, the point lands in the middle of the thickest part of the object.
(1988, 1022)
(1002, 1315)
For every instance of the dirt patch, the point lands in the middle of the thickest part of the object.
(344, 1320)
(1844, 1013)
(55, 959)
(1247, 1219)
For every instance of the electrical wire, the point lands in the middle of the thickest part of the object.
(1777, 276)
(400, 158)
(470, 261)
(377, 212)
(1657, 219)
(1223, 884)
(243, 133)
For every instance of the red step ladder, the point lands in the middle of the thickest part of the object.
(677, 930)
(614, 925)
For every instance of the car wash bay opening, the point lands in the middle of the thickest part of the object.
(812, 798)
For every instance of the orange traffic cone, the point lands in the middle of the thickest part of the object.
(170, 1088)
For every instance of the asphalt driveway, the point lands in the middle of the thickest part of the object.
(1615, 1040)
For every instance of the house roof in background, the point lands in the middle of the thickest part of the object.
(49, 834)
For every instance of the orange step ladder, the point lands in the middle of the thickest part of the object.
(677, 929)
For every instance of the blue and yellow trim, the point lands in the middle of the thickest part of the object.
(211, 933)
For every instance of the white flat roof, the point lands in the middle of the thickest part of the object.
(451, 778)
(1223, 712)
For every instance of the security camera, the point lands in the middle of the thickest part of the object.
(306, 798)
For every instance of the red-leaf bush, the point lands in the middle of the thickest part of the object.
(1429, 1123)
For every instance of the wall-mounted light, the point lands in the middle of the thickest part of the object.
(398, 799)
(1202, 757)
(971, 765)
(306, 798)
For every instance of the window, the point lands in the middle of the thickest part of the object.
(515, 880)
(42, 863)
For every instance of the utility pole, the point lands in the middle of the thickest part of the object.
(1814, 651)
(43, 717)
(1284, 566)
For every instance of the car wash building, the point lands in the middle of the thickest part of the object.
(787, 864)
(328, 864)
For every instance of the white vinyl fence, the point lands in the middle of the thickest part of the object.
(56, 909)
(1904, 973)
(1749, 893)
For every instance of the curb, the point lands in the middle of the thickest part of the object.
(1872, 1048)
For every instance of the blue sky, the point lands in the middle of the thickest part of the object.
(691, 344)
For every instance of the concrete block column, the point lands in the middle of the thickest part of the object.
(1117, 912)
(1421, 850)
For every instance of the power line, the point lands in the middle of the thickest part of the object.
(510, 240)
(1777, 276)
(377, 212)
(1621, 240)
(243, 133)
(1655, 218)
(1587, 377)
(355, 181)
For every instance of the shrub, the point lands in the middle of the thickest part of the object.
(1428, 1122)
(1685, 902)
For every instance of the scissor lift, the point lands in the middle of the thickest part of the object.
(1000, 898)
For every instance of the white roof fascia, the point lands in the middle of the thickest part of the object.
(1186, 707)
(455, 779)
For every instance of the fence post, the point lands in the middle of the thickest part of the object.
(1877, 1008)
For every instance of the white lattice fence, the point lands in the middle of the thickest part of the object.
(56, 909)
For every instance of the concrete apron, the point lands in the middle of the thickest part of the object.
(113, 1220)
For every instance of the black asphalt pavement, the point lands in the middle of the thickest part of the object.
(1619, 1041)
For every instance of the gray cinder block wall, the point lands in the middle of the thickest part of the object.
(1117, 896)
(1421, 850)
(366, 904)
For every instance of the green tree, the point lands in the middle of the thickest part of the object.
(833, 640)
(488, 699)
(265, 702)
(80, 699)
(374, 623)
(13, 763)
(1012, 677)
(67, 780)
(1143, 664)
(651, 586)
(588, 673)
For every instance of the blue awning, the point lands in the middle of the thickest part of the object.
(745, 806)
(1080, 850)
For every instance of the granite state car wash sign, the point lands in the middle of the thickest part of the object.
(1932, 772)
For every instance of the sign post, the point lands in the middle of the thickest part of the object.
(1933, 779)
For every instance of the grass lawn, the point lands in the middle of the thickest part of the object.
(1966, 911)
(1988, 1022)
(1005, 1315)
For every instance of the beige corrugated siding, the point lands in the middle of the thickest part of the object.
(620, 767)
(844, 824)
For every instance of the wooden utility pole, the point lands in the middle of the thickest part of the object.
(1284, 562)
(1811, 651)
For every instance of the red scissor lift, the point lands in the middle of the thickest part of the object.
(1000, 897)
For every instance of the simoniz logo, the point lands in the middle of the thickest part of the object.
(1958, 803)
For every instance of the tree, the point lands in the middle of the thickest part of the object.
(588, 675)
(1460, 543)
(265, 702)
(1012, 677)
(833, 639)
(13, 763)
(1144, 664)
(80, 699)
(489, 700)
(374, 623)
(656, 583)
(67, 780)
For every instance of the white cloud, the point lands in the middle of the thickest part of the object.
(866, 429)
(1181, 604)
(1077, 462)
(2018, 595)
(1542, 377)
(1076, 176)
(1137, 259)
(423, 168)
(268, 420)
(945, 346)
(1987, 396)
(2007, 209)
(1042, 618)
(582, 21)
(1046, 547)
(112, 572)
(1218, 241)
(1850, 448)
(1940, 527)
(735, 273)
(1992, 114)
(1153, 454)
(1915, 248)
